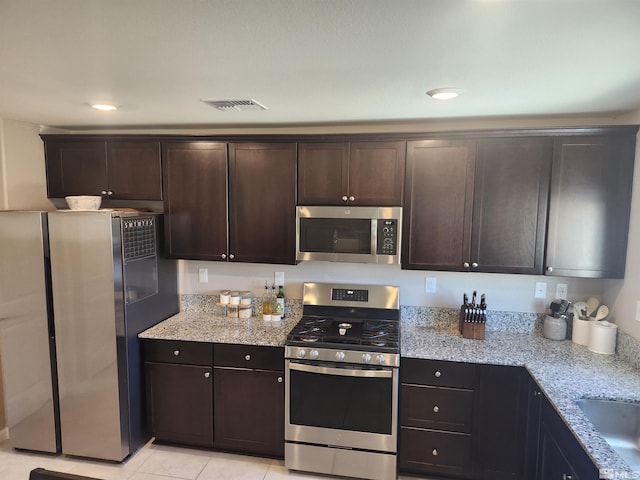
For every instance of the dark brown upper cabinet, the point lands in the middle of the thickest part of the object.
(195, 199)
(118, 169)
(239, 207)
(590, 201)
(476, 205)
(356, 173)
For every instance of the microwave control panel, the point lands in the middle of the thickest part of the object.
(387, 237)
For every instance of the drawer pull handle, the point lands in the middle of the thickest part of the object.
(438, 374)
(247, 357)
(434, 452)
(207, 374)
(567, 476)
(176, 352)
(537, 393)
(436, 409)
(279, 379)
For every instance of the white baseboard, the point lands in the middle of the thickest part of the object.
(4, 434)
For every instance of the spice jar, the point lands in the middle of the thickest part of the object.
(554, 328)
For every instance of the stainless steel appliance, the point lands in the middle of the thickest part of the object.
(108, 283)
(341, 389)
(349, 234)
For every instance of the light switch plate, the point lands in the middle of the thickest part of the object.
(541, 290)
(278, 278)
(561, 291)
(430, 285)
(203, 275)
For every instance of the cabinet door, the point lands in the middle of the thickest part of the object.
(434, 452)
(195, 199)
(180, 403)
(510, 205)
(500, 422)
(249, 410)
(560, 455)
(262, 202)
(589, 206)
(438, 205)
(323, 173)
(376, 173)
(76, 167)
(134, 170)
(532, 438)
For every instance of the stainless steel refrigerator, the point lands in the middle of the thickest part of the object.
(108, 282)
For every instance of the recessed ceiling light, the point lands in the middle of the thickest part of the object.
(444, 93)
(104, 107)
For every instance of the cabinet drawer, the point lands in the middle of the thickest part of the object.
(438, 373)
(175, 351)
(428, 451)
(437, 408)
(248, 356)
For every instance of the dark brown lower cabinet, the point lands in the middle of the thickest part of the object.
(180, 403)
(249, 398)
(560, 456)
(249, 410)
(500, 422)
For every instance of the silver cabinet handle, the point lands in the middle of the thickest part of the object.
(247, 357)
(103, 192)
(207, 374)
(434, 452)
(231, 256)
(567, 476)
(465, 264)
(344, 198)
(438, 374)
(224, 256)
(109, 193)
(537, 393)
(352, 198)
(474, 265)
(176, 352)
(549, 269)
(436, 409)
(279, 379)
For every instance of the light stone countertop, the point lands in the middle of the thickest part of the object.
(565, 371)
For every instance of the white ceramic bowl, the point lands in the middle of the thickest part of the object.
(84, 202)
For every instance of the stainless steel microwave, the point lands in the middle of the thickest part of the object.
(349, 234)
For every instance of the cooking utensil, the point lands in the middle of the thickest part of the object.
(578, 307)
(602, 312)
(592, 305)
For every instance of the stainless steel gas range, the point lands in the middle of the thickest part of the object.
(341, 389)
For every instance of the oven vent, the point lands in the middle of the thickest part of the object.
(236, 105)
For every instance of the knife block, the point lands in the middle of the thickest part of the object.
(472, 324)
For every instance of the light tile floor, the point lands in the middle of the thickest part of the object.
(154, 462)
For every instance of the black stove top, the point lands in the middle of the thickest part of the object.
(356, 333)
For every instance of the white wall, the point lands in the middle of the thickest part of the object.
(504, 292)
(22, 177)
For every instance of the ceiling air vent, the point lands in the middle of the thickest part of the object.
(236, 105)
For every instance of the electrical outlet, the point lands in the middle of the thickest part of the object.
(278, 278)
(541, 290)
(203, 275)
(430, 285)
(561, 291)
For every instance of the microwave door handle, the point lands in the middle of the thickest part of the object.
(342, 372)
(374, 236)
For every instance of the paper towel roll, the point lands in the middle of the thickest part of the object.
(602, 337)
(581, 331)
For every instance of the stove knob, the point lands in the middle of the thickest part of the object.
(314, 354)
(380, 359)
(301, 353)
(340, 356)
(366, 358)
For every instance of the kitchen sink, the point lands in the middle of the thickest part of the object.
(619, 424)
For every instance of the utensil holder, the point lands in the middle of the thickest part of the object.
(472, 322)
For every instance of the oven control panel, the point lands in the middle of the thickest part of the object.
(351, 295)
(331, 355)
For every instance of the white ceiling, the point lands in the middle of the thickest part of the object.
(314, 61)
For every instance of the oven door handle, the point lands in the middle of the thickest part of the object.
(343, 372)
